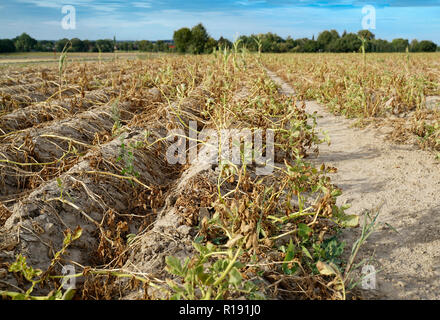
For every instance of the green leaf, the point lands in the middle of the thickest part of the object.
(13, 295)
(304, 231)
(199, 239)
(235, 277)
(220, 265)
(57, 296)
(203, 277)
(176, 296)
(174, 265)
(210, 247)
(17, 296)
(173, 286)
(69, 294)
(67, 239)
(290, 254)
(202, 249)
(306, 252)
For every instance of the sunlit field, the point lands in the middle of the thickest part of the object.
(86, 179)
(398, 89)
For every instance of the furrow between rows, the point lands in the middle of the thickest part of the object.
(33, 156)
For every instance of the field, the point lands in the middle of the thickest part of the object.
(400, 90)
(48, 58)
(86, 179)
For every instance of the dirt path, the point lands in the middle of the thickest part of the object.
(406, 182)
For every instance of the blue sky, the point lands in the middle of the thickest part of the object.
(157, 19)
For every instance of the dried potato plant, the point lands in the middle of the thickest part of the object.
(194, 231)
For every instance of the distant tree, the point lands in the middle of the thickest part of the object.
(306, 45)
(45, 46)
(60, 44)
(145, 46)
(105, 45)
(77, 45)
(222, 43)
(199, 38)
(248, 42)
(161, 46)
(325, 38)
(379, 45)
(400, 45)
(7, 45)
(88, 46)
(350, 42)
(283, 47)
(299, 44)
(366, 34)
(414, 46)
(24, 43)
(426, 46)
(210, 45)
(182, 39)
(290, 43)
(271, 42)
(126, 46)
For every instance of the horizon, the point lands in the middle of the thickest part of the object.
(157, 20)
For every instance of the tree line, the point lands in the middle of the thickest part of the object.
(197, 41)
(25, 43)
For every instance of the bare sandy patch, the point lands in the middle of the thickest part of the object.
(404, 183)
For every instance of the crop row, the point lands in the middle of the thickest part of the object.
(401, 90)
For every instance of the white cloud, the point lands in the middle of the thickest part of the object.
(42, 4)
(98, 6)
(249, 2)
(145, 4)
(55, 4)
(105, 8)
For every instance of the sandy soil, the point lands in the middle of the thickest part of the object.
(47, 60)
(404, 183)
(48, 57)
